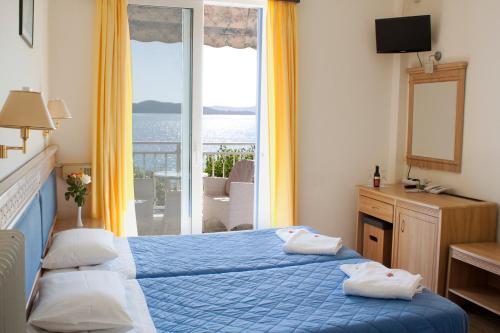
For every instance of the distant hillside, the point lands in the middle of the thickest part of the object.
(167, 107)
(229, 110)
(156, 107)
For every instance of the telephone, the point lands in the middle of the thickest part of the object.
(436, 189)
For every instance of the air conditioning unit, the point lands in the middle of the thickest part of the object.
(76, 167)
(12, 282)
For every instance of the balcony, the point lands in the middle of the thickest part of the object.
(157, 181)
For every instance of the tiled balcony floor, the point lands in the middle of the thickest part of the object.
(156, 226)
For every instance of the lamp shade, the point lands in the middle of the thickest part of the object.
(58, 109)
(25, 109)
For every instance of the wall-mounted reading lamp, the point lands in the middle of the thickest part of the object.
(58, 111)
(25, 110)
(429, 66)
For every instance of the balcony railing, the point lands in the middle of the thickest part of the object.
(157, 165)
(155, 156)
(224, 155)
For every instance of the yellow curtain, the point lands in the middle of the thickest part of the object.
(112, 188)
(282, 100)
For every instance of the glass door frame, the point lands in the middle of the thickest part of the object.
(262, 208)
(192, 223)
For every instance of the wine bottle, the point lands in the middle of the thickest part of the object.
(376, 177)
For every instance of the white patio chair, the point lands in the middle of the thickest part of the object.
(144, 205)
(230, 200)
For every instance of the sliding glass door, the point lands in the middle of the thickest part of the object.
(165, 134)
(231, 110)
(181, 142)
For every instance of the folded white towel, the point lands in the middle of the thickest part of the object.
(372, 279)
(286, 233)
(301, 241)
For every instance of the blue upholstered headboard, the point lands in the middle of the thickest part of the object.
(30, 224)
(28, 203)
(36, 223)
(48, 205)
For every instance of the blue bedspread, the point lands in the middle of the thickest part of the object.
(162, 256)
(303, 298)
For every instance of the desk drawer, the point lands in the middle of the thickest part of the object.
(382, 210)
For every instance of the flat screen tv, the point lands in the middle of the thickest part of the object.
(403, 34)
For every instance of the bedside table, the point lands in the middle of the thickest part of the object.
(474, 275)
(66, 224)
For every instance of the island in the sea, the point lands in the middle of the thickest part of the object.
(173, 108)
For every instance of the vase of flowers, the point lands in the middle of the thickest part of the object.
(77, 189)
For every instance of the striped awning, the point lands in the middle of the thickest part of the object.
(224, 26)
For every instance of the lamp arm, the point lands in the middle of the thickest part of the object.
(25, 134)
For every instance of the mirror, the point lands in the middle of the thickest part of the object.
(434, 109)
(435, 121)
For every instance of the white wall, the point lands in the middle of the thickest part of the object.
(21, 66)
(71, 31)
(344, 108)
(464, 30)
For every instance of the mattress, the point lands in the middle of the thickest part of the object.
(301, 298)
(164, 256)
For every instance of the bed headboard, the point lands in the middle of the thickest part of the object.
(28, 204)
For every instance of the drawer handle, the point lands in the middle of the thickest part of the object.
(373, 238)
(374, 207)
(403, 226)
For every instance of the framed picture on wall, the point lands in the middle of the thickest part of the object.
(26, 20)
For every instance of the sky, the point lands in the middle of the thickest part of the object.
(229, 75)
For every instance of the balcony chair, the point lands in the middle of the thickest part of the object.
(230, 200)
(144, 205)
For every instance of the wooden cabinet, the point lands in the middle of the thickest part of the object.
(416, 233)
(424, 226)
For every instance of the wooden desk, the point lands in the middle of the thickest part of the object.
(424, 226)
(474, 274)
(66, 224)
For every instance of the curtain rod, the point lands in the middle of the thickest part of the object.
(296, 1)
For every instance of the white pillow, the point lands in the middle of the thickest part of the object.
(80, 247)
(81, 301)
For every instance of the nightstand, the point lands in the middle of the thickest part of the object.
(474, 274)
(66, 224)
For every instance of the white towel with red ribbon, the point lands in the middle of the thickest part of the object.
(372, 279)
(302, 241)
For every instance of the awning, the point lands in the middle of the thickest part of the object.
(224, 26)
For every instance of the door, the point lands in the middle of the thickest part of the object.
(166, 64)
(416, 245)
(232, 77)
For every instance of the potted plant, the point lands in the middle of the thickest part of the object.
(77, 189)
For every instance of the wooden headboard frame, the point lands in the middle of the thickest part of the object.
(19, 189)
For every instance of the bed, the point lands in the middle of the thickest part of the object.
(302, 298)
(163, 256)
(251, 287)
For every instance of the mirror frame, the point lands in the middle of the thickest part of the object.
(455, 71)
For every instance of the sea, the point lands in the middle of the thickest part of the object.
(158, 128)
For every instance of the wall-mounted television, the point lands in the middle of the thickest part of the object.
(403, 34)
